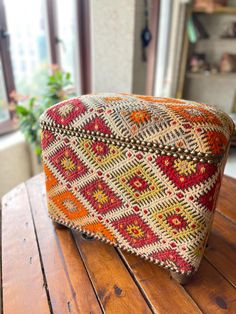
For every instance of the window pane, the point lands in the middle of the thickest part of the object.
(67, 35)
(28, 42)
(4, 114)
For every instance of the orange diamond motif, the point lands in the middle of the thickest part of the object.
(70, 205)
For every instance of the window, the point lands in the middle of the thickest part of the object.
(67, 33)
(28, 44)
(32, 34)
(4, 113)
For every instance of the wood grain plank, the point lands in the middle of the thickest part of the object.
(69, 286)
(22, 277)
(115, 287)
(221, 250)
(211, 291)
(226, 204)
(157, 285)
(225, 228)
(222, 256)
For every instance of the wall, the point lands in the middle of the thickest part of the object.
(116, 48)
(15, 162)
(139, 66)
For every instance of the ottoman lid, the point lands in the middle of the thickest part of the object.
(166, 125)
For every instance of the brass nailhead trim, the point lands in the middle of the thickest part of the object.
(71, 225)
(160, 149)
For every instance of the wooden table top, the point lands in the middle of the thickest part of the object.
(51, 270)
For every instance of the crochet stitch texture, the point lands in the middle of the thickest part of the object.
(139, 172)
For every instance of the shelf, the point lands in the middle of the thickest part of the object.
(223, 10)
(228, 76)
(218, 39)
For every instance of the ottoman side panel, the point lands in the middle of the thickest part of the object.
(139, 172)
(158, 207)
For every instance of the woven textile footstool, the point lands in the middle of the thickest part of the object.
(141, 173)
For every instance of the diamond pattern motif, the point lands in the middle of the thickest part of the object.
(151, 203)
(101, 153)
(68, 164)
(135, 231)
(101, 197)
(138, 183)
(176, 221)
(65, 112)
(185, 174)
(69, 205)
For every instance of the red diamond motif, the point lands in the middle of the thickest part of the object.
(100, 196)
(100, 148)
(65, 112)
(138, 183)
(177, 222)
(68, 164)
(184, 181)
(135, 231)
(97, 124)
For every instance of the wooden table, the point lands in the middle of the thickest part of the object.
(51, 270)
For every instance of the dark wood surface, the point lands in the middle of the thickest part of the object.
(50, 270)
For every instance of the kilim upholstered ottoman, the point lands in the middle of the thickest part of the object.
(141, 173)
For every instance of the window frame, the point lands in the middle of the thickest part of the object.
(5, 53)
(83, 43)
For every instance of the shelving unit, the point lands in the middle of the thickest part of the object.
(219, 10)
(217, 76)
(218, 88)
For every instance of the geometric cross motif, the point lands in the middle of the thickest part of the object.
(68, 164)
(101, 153)
(140, 116)
(176, 222)
(135, 231)
(97, 124)
(141, 120)
(66, 112)
(183, 173)
(100, 196)
(139, 183)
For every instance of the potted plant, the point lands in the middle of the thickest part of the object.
(29, 109)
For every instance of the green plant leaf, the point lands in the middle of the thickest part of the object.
(68, 76)
(30, 110)
(21, 110)
(31, 102)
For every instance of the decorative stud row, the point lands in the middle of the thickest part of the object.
(135, 144)
(71, 225)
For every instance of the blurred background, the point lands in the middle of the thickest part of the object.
(51, 50)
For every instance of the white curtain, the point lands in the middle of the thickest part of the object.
(169, 46)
